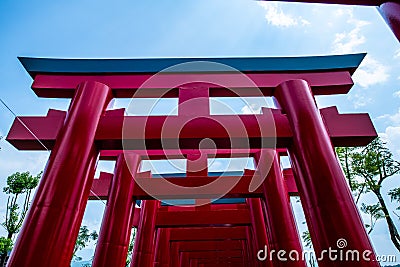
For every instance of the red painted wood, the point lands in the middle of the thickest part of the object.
(251, 248)
(165, 189)
(216, 245)
(290, 182)
(52, 224)
(173, 219)
(143, 253)
(162, 254)
(246, 128)
(208, 233)
(329, 207)
(181, 153)
(282, 236)
(125, 86)
(390, 11)
(197, 165)
(115, 232)
(259, 227)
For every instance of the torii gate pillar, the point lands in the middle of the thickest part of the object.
(51, 227)
(391, 13)
(323, 191)
(281, 224)
(115, 232)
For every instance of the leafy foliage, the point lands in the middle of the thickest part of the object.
(18, 184)
(5, 245)
(345, 156)
(375, 212)
(395, 195)
(131, 247)
(307, 239)
(375, 163)
(370, 167)
(84, 237)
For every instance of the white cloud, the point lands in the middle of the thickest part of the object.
(346, 42)
(276, 17)
(251, 109)
(397, 53)
(395, 118)
(371, 72)
(392, 137)
(396, 94)
(344, 11)
(360, 100)
(383, 117)
(392, 133)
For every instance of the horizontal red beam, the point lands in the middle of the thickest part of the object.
(197, 218)
(125, 86)
(215, 255)
(163, 188)
(195, 188)
(214, 245)
(191, 230)
(161, 132)
(229, 206)
(208, 233)
(220, 262)
(182, 153)
(225, 229)
(166, 188)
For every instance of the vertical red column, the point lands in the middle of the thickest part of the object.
(391, 13)
(174, 252)
(282, 230)
(194, 263)
(143, 253)
(258, 224)
(157, 248)
(115, 232)
(183, 258)
(329, 206)
(49, 233)
(162, 250)
(251, 250)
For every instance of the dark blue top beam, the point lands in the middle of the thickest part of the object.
(153, 65)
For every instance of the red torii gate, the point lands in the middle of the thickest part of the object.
(76, 138)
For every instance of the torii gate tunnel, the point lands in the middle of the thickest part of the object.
(252, 217)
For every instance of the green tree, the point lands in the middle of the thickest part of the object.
(19, 187)
(367, 168)
(307, 240)
(131, 247)
(345, 155)
(395, 196)
(84, 237)
(375, 212)
(5, 246)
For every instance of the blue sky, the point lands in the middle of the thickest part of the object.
(206, 28)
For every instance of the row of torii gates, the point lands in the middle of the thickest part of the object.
(254, 212)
